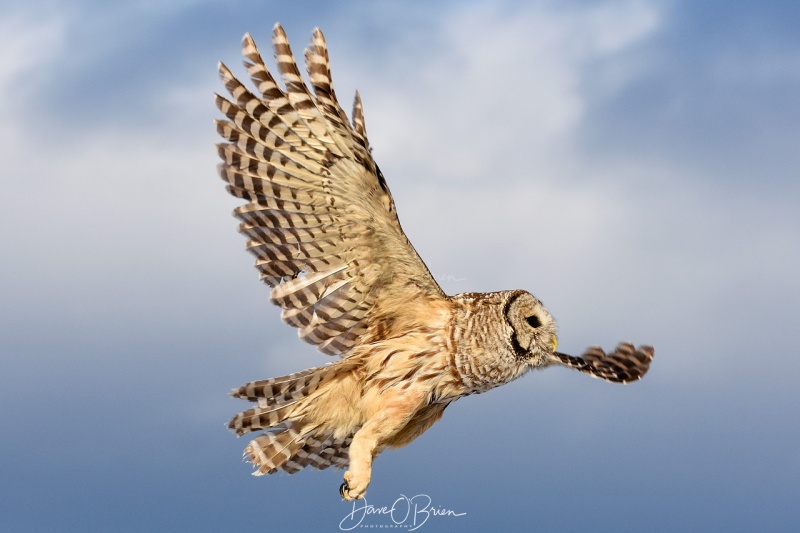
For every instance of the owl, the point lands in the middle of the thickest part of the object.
(323, 227)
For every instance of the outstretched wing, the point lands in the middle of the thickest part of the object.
(624, 364)
(319, 218)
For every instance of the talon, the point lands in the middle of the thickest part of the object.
(342, 488)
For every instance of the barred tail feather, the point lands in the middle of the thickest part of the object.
(289, 448)
(279, 398)
(285, 389)
(270, 451)
(261, 417)
(321, 454)
(289, 443)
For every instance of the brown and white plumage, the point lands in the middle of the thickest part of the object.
(322, 224)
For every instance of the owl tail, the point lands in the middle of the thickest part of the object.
(290, 447)
(289, 444)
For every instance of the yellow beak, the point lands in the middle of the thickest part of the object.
(554, 340)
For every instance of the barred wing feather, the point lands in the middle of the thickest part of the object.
(319, 217)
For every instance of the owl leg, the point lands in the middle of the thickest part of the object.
(395, 410)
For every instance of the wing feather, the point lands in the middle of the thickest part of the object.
(623, 365)
(319, 217)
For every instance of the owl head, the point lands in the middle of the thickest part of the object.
(533, 330)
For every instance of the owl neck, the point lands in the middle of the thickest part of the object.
(483, 357)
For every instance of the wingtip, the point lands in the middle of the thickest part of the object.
(625, 364)
(224, 72)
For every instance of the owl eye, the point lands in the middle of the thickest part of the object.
(533, 321)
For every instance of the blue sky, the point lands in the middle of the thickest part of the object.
(634, 164)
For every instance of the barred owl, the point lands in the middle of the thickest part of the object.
(322, 225)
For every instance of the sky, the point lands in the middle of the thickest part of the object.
(633, 164)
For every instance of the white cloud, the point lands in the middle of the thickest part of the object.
(28, 43)
(499, 88)
(486, 123)
(477, 139)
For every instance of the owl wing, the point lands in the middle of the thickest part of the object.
(319, 218)
(624, 364)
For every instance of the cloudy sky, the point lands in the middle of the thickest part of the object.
(634, 164)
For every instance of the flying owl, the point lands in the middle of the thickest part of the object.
(323, 227)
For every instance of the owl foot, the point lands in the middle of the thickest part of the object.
(353, 488)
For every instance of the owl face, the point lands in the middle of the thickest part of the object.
(533, 337)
